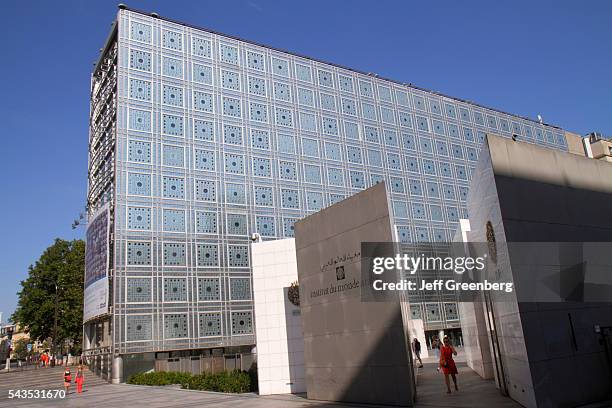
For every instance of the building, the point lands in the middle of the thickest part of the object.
(548, 344)
(199, 139)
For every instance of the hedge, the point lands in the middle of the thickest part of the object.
(232, 381)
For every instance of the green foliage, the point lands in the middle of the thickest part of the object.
(20, 348)
(63, 263)
(159, 378)
(232, 381)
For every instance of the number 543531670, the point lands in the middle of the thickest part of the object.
(36, 394)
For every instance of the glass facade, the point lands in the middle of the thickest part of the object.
(218, 138)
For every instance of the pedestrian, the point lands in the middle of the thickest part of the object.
(80, 379)
(416, 348)
(435, 346)
(67, 380)
(448, 364)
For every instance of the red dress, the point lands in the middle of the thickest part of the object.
(446, 355)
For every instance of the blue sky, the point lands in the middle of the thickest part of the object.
(552, 58)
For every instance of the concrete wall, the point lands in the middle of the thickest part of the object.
(278, 323)
(354, 351)
(512, 371)
(534, 194)
(574, 144)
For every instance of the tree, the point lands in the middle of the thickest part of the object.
(57, 275)
(20, 348)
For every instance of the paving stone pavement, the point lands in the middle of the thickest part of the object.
(474, 392)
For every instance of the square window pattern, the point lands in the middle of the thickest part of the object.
(138, 253)
(263, 196)
(140, 60)
(228, 54)
(332, 151)
(432, 312)
(173, 156)
(415, 312)
(265, 226)
(140, 32)
(310, 147)
(174, 254)
(200, 47)
(235, 193)
(240, 289)
(172, 95)
(203, 101)
(290, 198)
(242, 322)
(260, 139)
(282, 91)
(139, 184)
(262, 167)
(175, 289)
(314, 200)
(203, 130)
(205, 190)
(139, 328)
(174, 220)
(451, 311)
(173, 187)
(286, 143)
(236, 224)
(288, 227)
(346, 83)
(139, 152)
(303, 73)
(255, 60)
(140, 120)
(231, 107)
(172, 40)
(335, 177)
(209, 289)
(305, 97)
(257, 86)
(172, 67)
(139, 218)
(176, 326)
(238, 256)
(204, 160)
(138, 290)
(209, 324)
(234, 163)
(172, 125)
(206, 222)
(202, 74)
(280, 67)
(258, 112)
(287, 170)
(232, 134)
(230, 80)
(140, 90)
(207, 255)
(312, 174)
(308, 122)
(284, 117)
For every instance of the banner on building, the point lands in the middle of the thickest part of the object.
(96, 265)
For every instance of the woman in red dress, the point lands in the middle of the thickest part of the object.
(448, 364)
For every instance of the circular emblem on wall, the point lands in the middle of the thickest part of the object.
(293, 294)
(491, 242)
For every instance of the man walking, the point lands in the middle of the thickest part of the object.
(416, 348)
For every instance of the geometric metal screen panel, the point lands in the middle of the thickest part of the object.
(212, 146)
